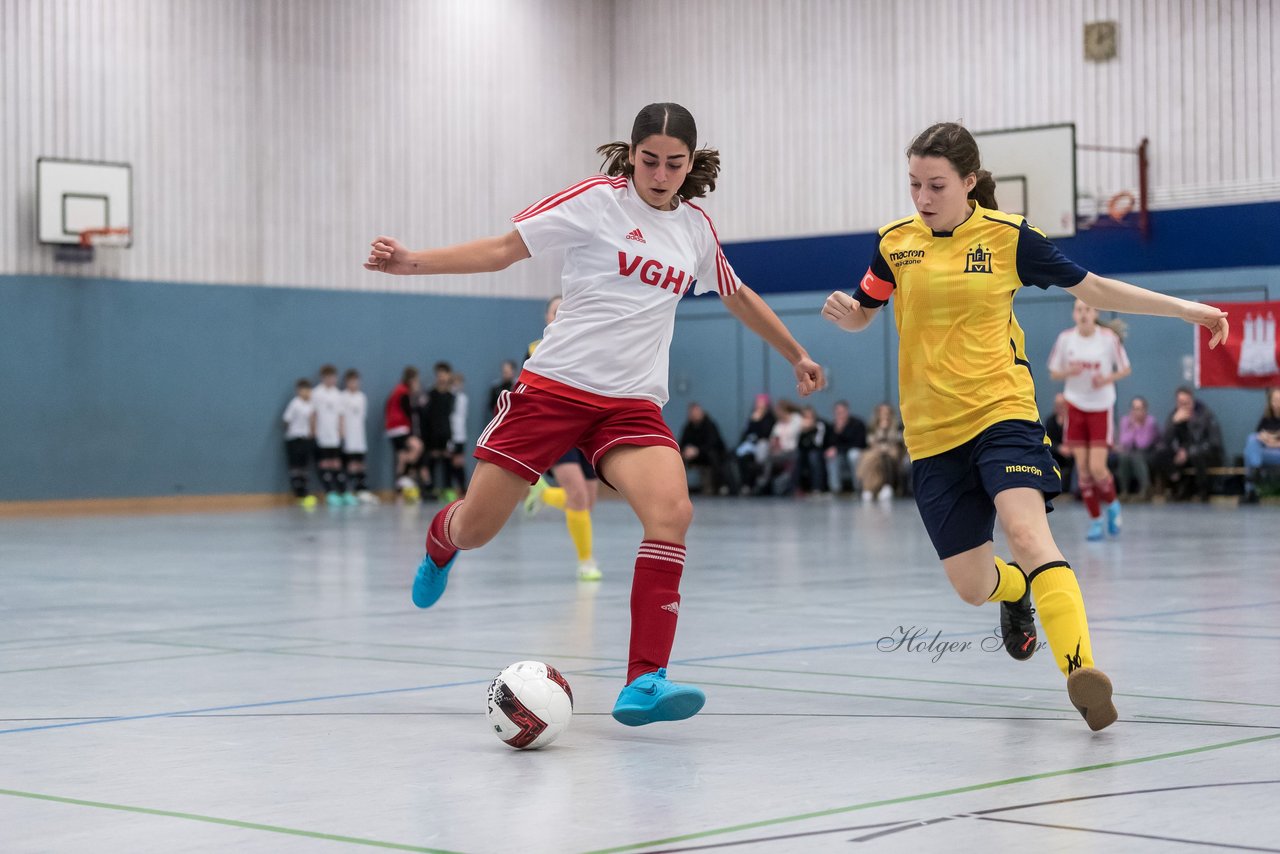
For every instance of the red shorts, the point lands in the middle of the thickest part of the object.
(1088, 428)
(539, 420)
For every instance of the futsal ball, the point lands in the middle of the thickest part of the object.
(530, 704)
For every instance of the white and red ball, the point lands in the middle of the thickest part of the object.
(530, 704)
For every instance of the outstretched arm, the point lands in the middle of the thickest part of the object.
(1114, 295)
(487, 255)
(746, 305)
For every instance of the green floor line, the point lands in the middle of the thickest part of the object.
(117, 661)
(228, 822)
(969, 684)
(925, 796)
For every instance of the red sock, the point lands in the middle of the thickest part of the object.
(655, 606)
(1107, 490)
(1089, 493)
(440, 547)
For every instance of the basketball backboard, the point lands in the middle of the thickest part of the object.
(75, 196)
(1035, 172)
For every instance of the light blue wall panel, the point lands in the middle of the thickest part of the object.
(119, 388)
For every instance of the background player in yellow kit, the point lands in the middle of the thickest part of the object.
(968, 399)
(575, 491)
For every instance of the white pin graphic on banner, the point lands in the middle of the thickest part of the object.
(1258, 346)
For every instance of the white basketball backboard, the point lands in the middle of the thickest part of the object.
(73, 196)
(1035, 172)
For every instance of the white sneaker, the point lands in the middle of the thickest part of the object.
(404, 483)
(589, 570)
(364, 496)
(866, 495)
(885, 493)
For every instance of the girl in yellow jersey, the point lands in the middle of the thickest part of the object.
(575, 492)
(968, 400)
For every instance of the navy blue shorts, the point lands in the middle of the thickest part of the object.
(955, 490)
(573, 455)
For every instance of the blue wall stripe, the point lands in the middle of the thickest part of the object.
(1207, 238)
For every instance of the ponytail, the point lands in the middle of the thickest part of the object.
(984, 192)
(700, 180)
(702, 177)
(1115, 324)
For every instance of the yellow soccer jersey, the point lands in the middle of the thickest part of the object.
(962, 361)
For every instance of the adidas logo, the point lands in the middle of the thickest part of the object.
(673, 607)
(636, 235)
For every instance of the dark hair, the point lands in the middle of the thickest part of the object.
(666, 120)
(442, 366)
(1270, 411)
(843, 403)
(302, 383)
(326, 370)
(511, 362)
(409, 374)
(351, 374)
(1138, 397)
(956, 144)
(1185, 389)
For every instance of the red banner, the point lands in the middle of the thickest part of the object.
(1249, 359)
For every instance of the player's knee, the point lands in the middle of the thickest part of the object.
(973, 596)
(673, 518)
(576, 497)
(1024, 537)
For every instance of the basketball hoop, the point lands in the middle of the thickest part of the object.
(82, 251)
(91, 237)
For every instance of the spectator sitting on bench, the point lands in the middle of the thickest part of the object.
(703, 448)
(1191, 439)
(1262, 448)
(1138, 435)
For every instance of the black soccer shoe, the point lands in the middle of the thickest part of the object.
(1018, 625)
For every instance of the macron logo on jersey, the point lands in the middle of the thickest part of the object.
(653, 273)
(636, 236)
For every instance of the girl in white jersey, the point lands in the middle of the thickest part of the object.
(1091, 358)
(633, 245)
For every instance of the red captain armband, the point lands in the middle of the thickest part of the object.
(875, 287)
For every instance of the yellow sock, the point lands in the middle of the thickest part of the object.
(1010, 583)
(554, 496)
(1061, 607)
(579, 523)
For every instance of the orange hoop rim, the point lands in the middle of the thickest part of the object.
(1121, 205)
(87, 236)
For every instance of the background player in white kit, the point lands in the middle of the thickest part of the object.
(328, 402)
(633, 246)
(355, 442)
(1091, 358)
(299, 427)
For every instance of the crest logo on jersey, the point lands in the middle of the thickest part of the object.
(654, 273)
(978, 260)
(636, 235)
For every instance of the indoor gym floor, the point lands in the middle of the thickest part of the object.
(260, 682)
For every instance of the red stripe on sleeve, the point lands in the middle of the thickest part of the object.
(726, 282)
(565, 195)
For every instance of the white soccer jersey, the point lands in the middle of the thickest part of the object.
(297, 419)
(328, 403)
(1099, 354)
(354, 409)
(626, 266)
